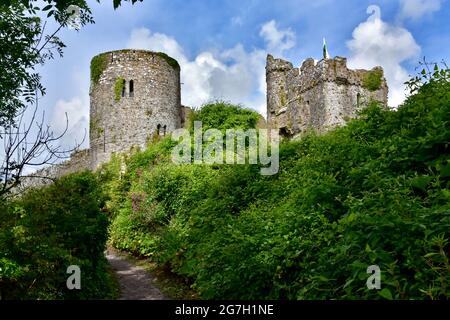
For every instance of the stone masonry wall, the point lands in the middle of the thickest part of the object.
(153, 107)
(122, 119)
(317, 96)
(79, 161)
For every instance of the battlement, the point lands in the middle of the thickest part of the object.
(318, 95)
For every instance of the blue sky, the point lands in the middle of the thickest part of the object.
(222, 45)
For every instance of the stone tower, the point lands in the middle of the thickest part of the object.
(318, 95)
(135, 95)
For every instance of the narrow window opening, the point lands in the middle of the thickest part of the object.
(164, 130)
(131, 88)
(158, 129)
(358, 100)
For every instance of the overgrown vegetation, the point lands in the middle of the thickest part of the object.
(222, 115)
(375, 192)
(45, 231)
(171, 61)
(98, 65)
(372, 79)
(118, 88)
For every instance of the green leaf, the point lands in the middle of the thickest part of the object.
(385, 293)
(421, 182)
(445, 171)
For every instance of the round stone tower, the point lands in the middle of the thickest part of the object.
(135, 96)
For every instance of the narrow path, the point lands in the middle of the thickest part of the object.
(135, 283)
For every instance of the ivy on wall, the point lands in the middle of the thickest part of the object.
(372, 79)
(98, 65)
(171, 61)
(118, 88)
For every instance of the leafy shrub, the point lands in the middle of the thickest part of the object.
(45, 231)
(375, 192)
(222, 115)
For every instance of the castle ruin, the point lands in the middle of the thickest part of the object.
(319, 95)
(135, 97)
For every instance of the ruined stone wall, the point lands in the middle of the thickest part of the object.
(121, 119)
(123, 114)
(186, 113)
(79, 161)
(318, 96)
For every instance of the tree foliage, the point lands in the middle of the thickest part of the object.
(45, 231)
(375, 192)
(27, 43)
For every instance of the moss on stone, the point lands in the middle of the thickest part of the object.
(171, 61)
(118, 88)
(98, 65)
(372, 79)
(95, 128)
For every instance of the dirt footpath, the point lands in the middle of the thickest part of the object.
(135, 283)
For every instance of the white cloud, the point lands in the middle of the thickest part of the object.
(77, 110)
(234, 75)
(143, 38)
(376, 42)
(277, 40)
(415, 9)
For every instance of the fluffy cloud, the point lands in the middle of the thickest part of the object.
(376, 42)
(415, 9)
(277, 40)
(235, 74)
(77, 110)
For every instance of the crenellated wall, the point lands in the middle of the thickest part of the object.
(320, 95)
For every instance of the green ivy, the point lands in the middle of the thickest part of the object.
(98, 65)
(171, 61)
(118, 88)
(372, 79)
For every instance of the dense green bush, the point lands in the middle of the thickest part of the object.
(222, 115)
(375, 192)
(45, 231)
